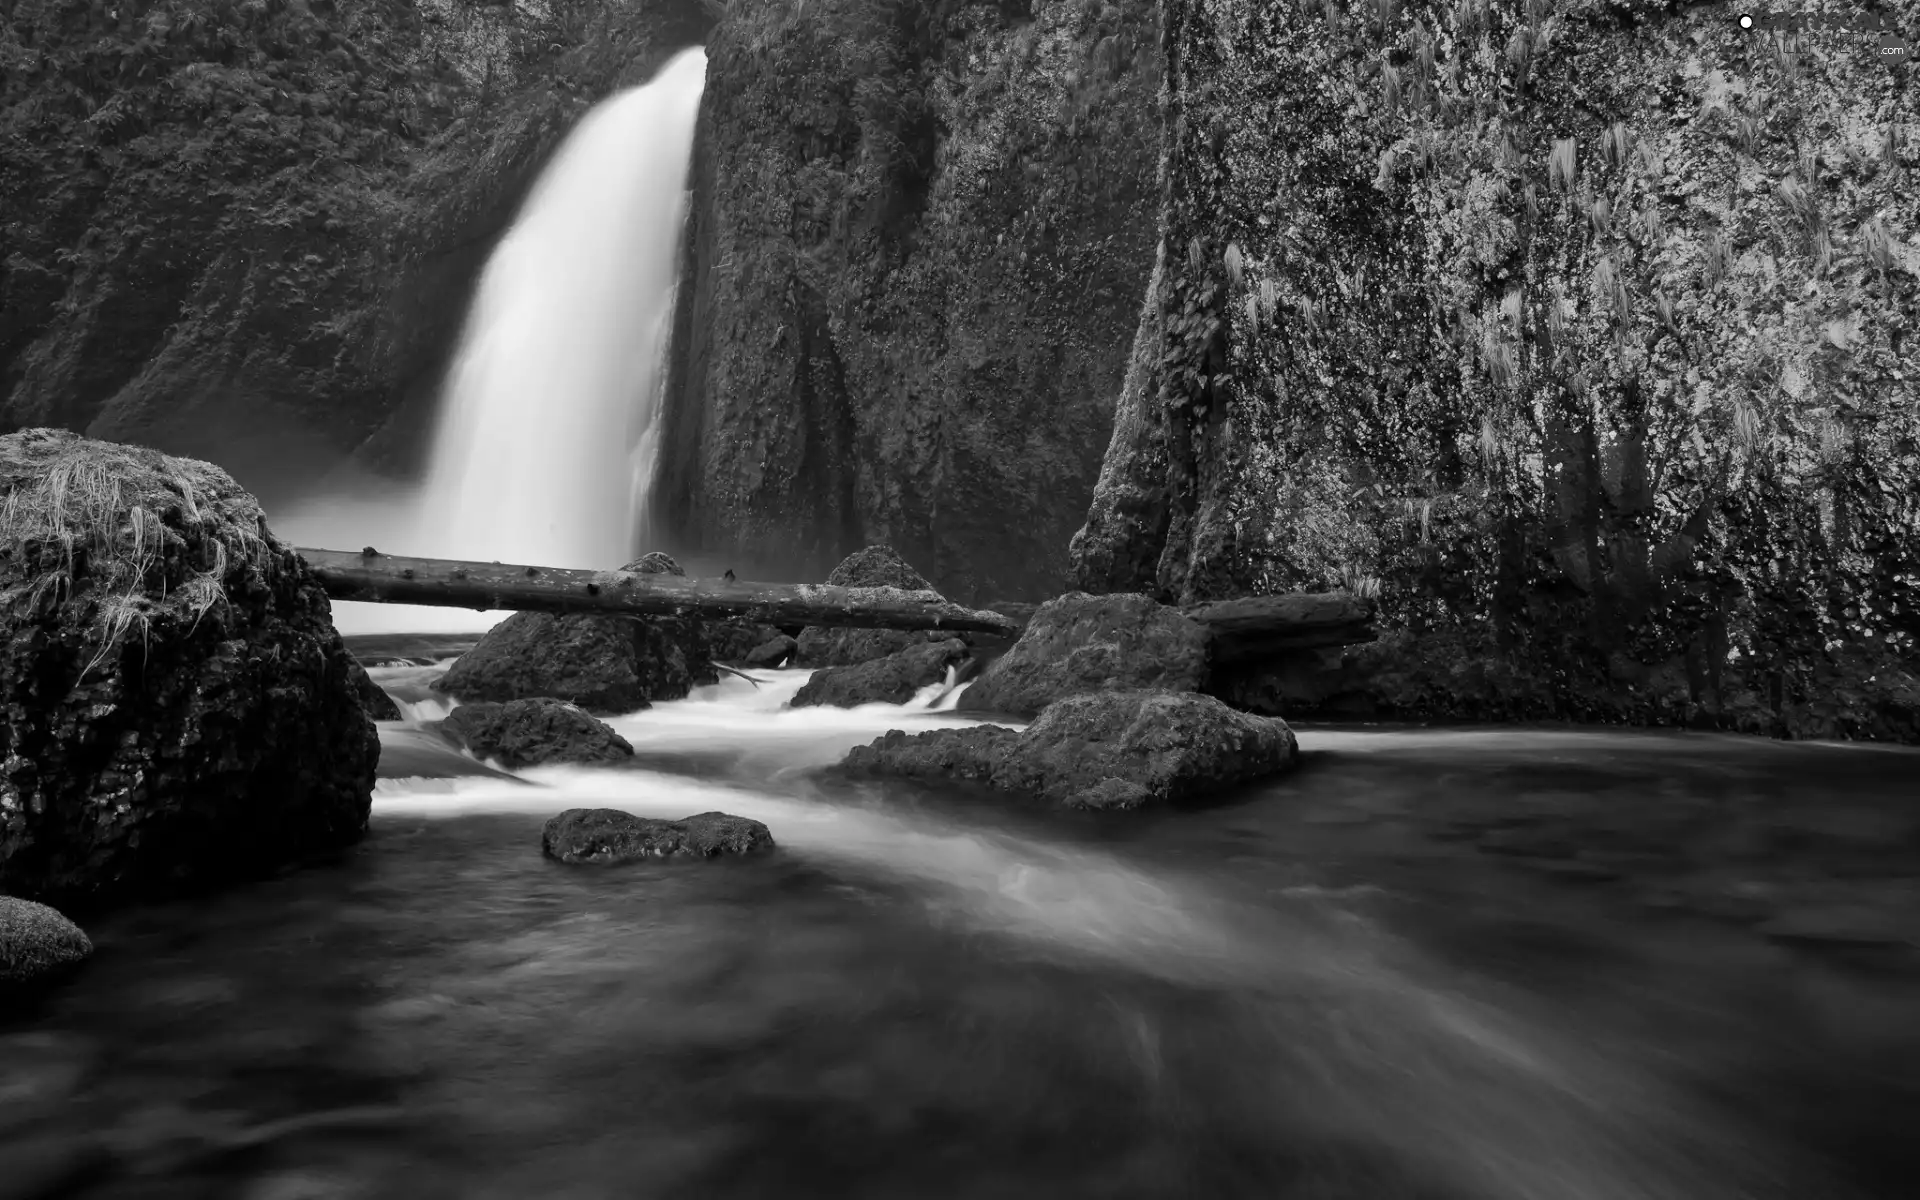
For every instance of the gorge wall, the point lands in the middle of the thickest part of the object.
(919, 239)
(247, 230)
(1582, 331)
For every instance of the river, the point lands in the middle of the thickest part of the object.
(1361, 982)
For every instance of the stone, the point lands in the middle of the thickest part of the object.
(609, 835)
(603, 664)
(1101, 750)
(890, 680)
(527, 733)
(38, 947)
(736, 641)
(772, 652)
(380, 706)
(1080, 643)
(875, 566)
(176, 707)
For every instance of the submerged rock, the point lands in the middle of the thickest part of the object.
(380, 706)
(526, 733)
(608, 835)
(1080, 643)
(602, 664)
(890, 680)
(176, 707)
(875, 566)
(38, 947)
(1098, 750)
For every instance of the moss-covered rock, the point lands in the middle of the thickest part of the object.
(890, 680)
(919, 238)
(872, 566)
(528, 733)
(609, 836)
(38, 947)
(176, 708)
(1581, 329)
(1080, 643)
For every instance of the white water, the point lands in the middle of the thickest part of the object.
(548, 437)
(1360, 1031)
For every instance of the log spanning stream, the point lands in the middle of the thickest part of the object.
(1240, 629)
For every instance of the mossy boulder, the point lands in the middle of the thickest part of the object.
(609, 835)
(176, 708)
(874, 567)
(890, 680)
(527, 733)
(1081, 643)
(602, 664)
(1105, 750)
(38, 947)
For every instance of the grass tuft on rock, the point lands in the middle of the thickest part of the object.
(115, 518)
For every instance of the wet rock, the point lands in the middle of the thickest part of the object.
(737, 641)
(608, 835)
(38, 947)
(773, 651)
(890, 680)
(176, 707)
(602, 664)
(380, 706)
(1080, 643)
(526, 733)
(1098, 750)
(875, 566)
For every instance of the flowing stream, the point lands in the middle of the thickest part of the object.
(926, 992)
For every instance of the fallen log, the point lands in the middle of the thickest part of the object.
(450, 583)
(1257, 627)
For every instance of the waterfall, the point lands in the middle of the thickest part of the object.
(547, 436)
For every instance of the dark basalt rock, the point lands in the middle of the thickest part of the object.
(890, 680)
(875, 566)
(1098, 750)
(736, 641)
(176, 708)
(380, 706)
(1080, 643)
(608, 835)
(603, 664)
(526, 733)
(772, 652)
(38, 948)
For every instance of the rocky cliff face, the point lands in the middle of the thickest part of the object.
(1582, 329)
(919, 239)
(247, 229)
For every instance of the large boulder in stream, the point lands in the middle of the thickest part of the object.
(608, 835)
(527, 733)
(38, 947)
(1097, 750)
(176, 707)
(875, 566)
(890, 680)
(602, 664)
(1079, 643)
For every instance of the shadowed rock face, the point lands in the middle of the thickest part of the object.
(1080, 643)
(608, 835)
(920, 235)
(890, 680)
(602, 664)
(176, 706)
(1099, 750)
(526, 733)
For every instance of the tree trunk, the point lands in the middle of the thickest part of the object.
(370, 575)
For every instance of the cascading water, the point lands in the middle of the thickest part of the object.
(546, 442)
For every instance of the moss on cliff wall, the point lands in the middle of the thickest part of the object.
(1583, 329)
(919, 241)
(246, 229)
